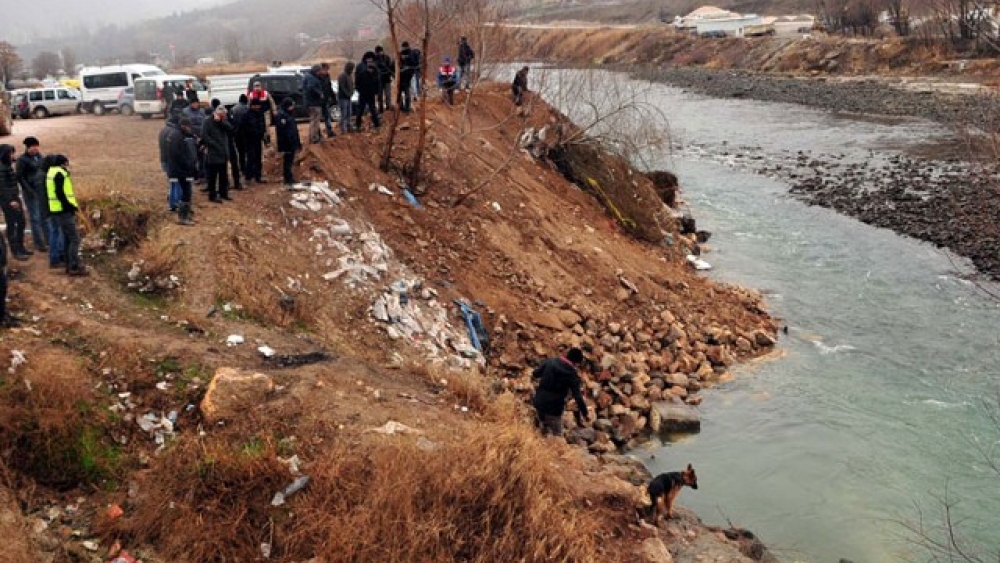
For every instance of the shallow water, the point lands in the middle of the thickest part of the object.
(875, 406)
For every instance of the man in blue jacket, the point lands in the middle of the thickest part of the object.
(559, 378)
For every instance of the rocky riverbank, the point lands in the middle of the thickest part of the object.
(944, 196)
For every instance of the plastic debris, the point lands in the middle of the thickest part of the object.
(234, 340)
(266, 351)
(265, 550)
(392, 427)
(17, 359)
(495, 206)
(295, 486)
(698, 263)
(114, 512)
(412, 199)
(376, 187)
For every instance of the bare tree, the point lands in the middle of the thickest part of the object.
(68, 60)
(899, 16)
(45, 64)
(390, 9)
(10, 62)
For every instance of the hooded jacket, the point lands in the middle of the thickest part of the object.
(558, 378)
(29, 174)
(9, 190)
(181, 162)
(215, 138)
(366, 81)
(287, 132)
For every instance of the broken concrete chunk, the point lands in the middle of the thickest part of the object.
(666, 417)
(232, 392)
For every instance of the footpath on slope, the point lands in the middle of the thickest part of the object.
(306, 343)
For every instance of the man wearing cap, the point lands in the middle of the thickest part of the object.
(447, 80)
(62, 208)
(259, 105)
(29, 176)
(10, 202)
(558, 377)
(182, 166)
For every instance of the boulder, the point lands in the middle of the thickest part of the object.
(668, 417)
(569, 318)
(677, 391)
(653, 550)
(546, 319)
(678, 379)
(743, 345)
(763, 339)
(604, 425)
(231, 393)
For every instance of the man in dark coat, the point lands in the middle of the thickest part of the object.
(409, 60)
(366, 83)
(174, 189)
(345, 93)
(260, 106)
(329, 99)
(182, 165)
(215, 139)
(238, 119)
(558, 377)
(287, 133)
(312, 96)
(6, 321)
(386, 68)
(10, 202)
(520, 85)
(465, 56)
(29, 176)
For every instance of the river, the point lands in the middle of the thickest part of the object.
(874, 411)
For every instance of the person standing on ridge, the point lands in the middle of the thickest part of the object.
(260, 106)
(215, 138)
(520, 85)
(182, 165)
(10, 202)
(63, 208)
(559, 377)
(345, 91)
(287, 133)
(386, 73)
(29, 176)
(312, 96)
(465, 56)
(447, 80)
(409, 62)
(329, 99)
(366, 83)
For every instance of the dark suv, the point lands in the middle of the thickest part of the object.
(281, 85)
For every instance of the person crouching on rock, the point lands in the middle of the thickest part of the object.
(558, 377)
(287, 132)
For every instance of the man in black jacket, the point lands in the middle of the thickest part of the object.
(465, 56)
(29, 176)
(386, 73)
(10, 202)
(182, 165)
(329, 99)
(559, 377)
(312, 96)
(366, 83)
(409, 60)
(238, 119)
(287, 133)
(215, 138)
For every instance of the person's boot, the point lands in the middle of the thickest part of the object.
(184, 216)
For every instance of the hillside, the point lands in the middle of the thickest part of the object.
(125, 426)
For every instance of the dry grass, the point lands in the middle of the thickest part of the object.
(489, 494)
(17, 546)
(51, 429)
(119, 221)
(467, 389)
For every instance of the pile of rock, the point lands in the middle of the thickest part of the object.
(642, 375)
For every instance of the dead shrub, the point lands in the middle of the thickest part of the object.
(628, 196)
(52, 429)
(156, 270)
(118, 221)
(206, 500)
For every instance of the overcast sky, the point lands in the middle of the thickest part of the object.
(19, 25)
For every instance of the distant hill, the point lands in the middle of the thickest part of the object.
(646, 11)
(248, 29)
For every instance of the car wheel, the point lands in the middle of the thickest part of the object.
(41, 113)
(97, 108)
(126, 109)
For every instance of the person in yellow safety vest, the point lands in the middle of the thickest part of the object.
(62, 209)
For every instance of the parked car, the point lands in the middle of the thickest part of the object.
(126, 101)
(288, 84)
(43, 102)
(149, 98)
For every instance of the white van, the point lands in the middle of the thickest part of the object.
(149, 98)
(100, 86)
(43, 102)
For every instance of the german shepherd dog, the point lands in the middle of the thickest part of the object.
(668, 486)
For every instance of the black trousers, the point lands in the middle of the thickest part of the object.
(234, 162)
(287, 160)
(241, 154)
(217, 179)
(369, 103)
(3, 292)
(385, 96)
(14, 218)
(255, 157)
(185, 184)
(71, 237)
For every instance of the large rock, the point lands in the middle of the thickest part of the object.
(653, 550)
(569, 318)
(233, 392)
(666, 416)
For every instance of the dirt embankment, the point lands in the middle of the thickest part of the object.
(122, 424)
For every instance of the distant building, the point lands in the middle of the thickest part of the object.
(703, 13)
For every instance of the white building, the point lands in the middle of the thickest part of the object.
(731, 27)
